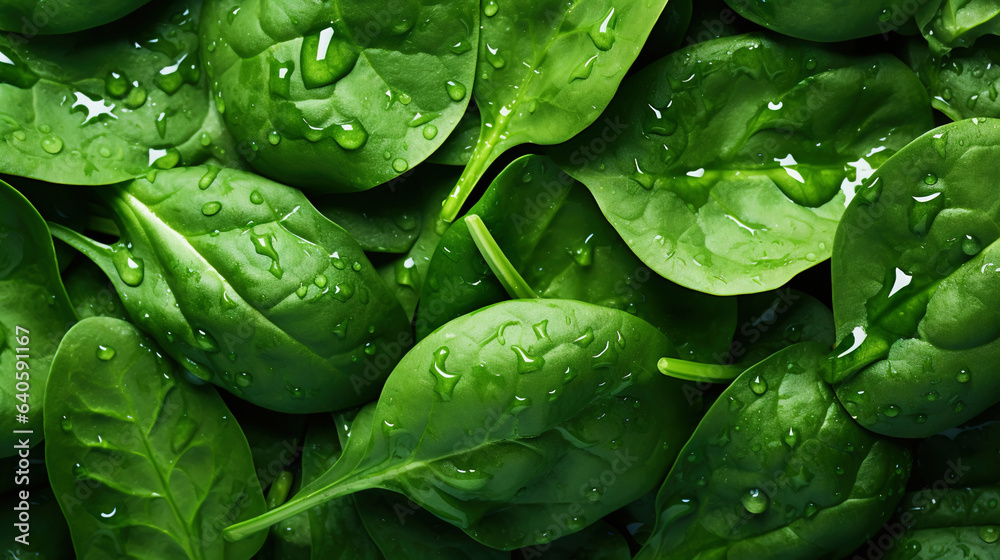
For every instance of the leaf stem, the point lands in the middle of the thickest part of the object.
(294, 507)
(511, 279)
(481, 159)
(694, 371)
(92, 249)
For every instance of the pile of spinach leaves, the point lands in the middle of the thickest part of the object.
(500, 279)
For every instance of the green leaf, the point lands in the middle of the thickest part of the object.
(405, 275)
(547, 68)
(947, 24)
(275, 439)
(105, 106)
(942, 522)
(827, 21)
(138, 459)
(964, 454)
(341, 96)
(774, 320)
(35, 312)
(914, 289)
(510, 415)
(244, 283)
(726, 166)
(40, 17)
(963, 83)
(600, 541)
(457, 149)
(386, 219)
(91, 293)
(553, 233)
(772, 466)
(405, 531)
(336, 526)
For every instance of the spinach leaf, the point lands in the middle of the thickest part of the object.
(536, 60)
(405, 531)
(275, 439)
(46, 17)
(713, 19)
(963, 83)
(726, 166)
(337, 529)
(826, 21)
(457, 149)
(405, 275)
(774, 320)
(35, 312)
(105, 106)
(555, 236)
(771, 466)
(91, 293)
(600, 541)
(138, 459)
(514, 414)
(965, 454)
(291, 539)
(340, 96)
(947, 24)
(913, 286)
(668, 32)
(943, 524)
(244, 283)
(385, 219)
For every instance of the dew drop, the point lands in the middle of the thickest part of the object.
(263, 244)
(445, 382)
(755, 501)
(350, 135)
(244, 379)
(971, 245)
(456, 90)
(758, 385)
(211, 208)
(130, 269)
(105, 353)
(525, 362)
(52, 144)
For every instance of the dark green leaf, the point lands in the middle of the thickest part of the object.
(947, 24)
(513, 414)
(914, 286)
(727, 165)
(341, 96)
(138, 459)
(963, 83)
(35, 312)
(950, 523)
(547, 68)
(249, 287)
(772, 466)
(44, 17)
(105, 106)
(827, 21)
(555, 236)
